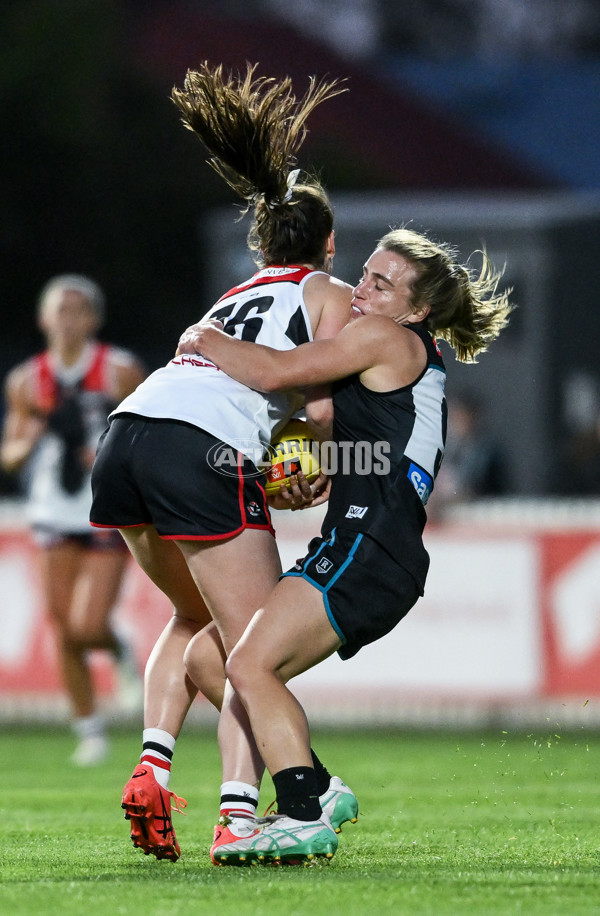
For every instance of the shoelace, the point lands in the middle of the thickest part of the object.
(177, 803)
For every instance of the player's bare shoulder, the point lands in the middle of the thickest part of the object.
(327, 301)
(322, 284)
(398, 354)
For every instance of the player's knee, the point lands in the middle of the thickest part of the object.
(242, 669)
(57, 622)
(87, 634)
(205, 666)
(235, 673)
(193, 660)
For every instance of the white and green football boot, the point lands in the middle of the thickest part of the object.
(339, 803)
(281, 840)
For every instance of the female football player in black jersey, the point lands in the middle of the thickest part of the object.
(368, 567)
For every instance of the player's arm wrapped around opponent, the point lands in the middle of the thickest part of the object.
(355, 349)
(299, 493)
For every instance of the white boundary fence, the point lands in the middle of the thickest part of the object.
(508, 632)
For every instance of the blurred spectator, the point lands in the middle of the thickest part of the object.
(57, 404)
(488, 29)
(474, 464)
(579, 467)
(351, 27)
(523, 28)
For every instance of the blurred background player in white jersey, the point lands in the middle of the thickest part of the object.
(57, 404)
(200, 531)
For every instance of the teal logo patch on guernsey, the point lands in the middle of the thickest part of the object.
(421, 481)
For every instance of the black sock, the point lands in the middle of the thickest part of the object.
(322, 773)
(297, 794)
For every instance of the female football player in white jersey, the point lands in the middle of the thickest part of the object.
(368, 567)
(176, 471)
(57, 405)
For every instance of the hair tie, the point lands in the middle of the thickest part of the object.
(291, 181)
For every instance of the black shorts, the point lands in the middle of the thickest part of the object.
(365, 592)
(46, 536)
(157, 472)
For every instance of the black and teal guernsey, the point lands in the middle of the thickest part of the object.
(387, 449)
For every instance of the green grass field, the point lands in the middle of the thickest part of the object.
(494, 823)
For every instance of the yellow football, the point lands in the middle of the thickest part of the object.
(293, 450)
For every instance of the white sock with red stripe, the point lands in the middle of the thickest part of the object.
(157, 753)
(238, 799)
